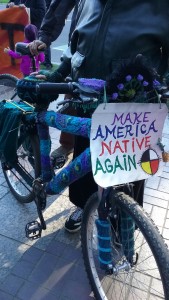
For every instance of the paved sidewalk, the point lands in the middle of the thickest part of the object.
(52, 268)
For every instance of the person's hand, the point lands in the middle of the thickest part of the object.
(38, 76)
(36, 46)
(22, 5)
(11, 4)
(6, 50)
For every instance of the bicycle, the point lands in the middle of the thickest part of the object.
(120, 263)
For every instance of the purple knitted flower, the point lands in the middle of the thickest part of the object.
(114, 96)
(128, 77)
(145, 83)
(156, 83)
(140, 77)
(120, 86)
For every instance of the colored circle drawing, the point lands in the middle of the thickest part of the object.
(150, 162)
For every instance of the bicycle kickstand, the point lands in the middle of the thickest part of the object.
(34, 229)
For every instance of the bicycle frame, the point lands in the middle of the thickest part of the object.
(80, 166)
(76, 169)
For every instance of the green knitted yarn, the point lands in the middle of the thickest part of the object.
(26, 90)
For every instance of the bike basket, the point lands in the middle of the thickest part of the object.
(10, 118)
(26, 90)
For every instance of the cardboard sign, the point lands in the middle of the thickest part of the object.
(12, 23)
(123, 142)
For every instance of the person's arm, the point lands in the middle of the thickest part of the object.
(13, 54)
(38, 12)
(58, 75)
(54, 20)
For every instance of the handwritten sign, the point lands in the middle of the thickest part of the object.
(123, 142)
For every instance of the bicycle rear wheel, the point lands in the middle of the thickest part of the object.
(8, 87)
(20, 177)
(148, 278)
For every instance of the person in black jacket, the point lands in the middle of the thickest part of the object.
(54, 22)
(47, 63)
(107, 34)
(37, 9)
(52, 26)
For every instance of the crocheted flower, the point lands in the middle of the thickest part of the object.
(120, 86)
(114, 96)
(140, 77)
(128, 77)
(134, 88)
(156, 83)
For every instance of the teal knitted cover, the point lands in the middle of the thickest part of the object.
(26, 90)
(10, 118)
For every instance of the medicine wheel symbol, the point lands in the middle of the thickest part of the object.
(150, 162)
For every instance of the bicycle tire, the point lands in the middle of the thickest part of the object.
(30, 163)
(7, 87)
(138, 283)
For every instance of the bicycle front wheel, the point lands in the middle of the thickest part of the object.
(8, 87)
(146, 275)
(20, 177)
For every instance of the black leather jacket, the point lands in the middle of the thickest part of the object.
(108, 32)
(54, 20)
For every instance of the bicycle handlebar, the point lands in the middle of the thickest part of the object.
(54, 88)
(23, 49)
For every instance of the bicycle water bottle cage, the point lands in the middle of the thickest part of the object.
(33, 230)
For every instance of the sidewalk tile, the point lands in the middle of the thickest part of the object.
(43, 269)
(5, 296)
(155, 201)
(148, 207)
(158, 216)
(23, 269)
(167, 223)
(56, 248)
(153, 182)
(158, 194)
(164, 186)
(74, 290)
(11, 284)
(32, 291)
(166, 233)
(32, 255)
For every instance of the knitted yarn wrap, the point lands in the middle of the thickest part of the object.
(26, 90)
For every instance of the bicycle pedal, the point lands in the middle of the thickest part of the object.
(33, 230)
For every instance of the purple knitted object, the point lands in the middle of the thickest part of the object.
(96, 84)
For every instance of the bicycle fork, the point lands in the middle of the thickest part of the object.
(115, 253)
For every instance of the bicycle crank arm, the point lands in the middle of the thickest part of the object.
(34, 229)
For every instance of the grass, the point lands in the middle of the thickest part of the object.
(4, 1)
(55, 66)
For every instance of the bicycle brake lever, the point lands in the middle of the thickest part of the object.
(81, 89)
